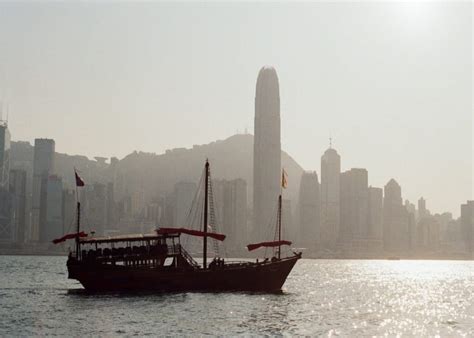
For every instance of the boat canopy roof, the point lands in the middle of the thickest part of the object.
(125, 238)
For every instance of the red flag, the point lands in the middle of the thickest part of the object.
(79, 181)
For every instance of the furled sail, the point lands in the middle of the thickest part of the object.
(272, 244)
(69, 236)
(178, 231)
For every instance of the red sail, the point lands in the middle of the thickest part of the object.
(69, 236)
(178, 231)
(251, 247)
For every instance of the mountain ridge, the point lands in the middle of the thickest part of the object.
(156, 174)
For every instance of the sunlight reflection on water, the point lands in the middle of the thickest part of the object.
(321, 297)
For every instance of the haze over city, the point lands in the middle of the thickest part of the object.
(388, 82)
(229, 168)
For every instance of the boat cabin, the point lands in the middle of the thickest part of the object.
(152, 250)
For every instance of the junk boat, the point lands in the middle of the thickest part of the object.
(159, 262)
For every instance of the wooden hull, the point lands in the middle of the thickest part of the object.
(259, 277)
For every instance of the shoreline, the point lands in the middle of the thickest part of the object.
(312, 257)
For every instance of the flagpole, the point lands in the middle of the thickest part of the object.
(279, 211)
(78, 216)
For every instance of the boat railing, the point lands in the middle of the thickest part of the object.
(125, 253)
(173, 249)
(188, 257)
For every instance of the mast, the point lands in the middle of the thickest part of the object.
(279, 226)
(78, 227)
(206, 192)
(282, 185)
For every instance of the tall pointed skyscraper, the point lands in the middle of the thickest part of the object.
(266, 153)
(330, 198)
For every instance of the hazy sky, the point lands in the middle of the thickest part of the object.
(391, 82)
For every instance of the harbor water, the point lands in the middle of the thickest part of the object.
(320, 297)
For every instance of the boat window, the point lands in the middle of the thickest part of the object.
(168, 261)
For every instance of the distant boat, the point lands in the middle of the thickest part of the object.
(158, 262)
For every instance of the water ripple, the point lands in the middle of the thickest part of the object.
(321, 297)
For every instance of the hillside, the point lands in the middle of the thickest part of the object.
(230, 158)
(156, 174)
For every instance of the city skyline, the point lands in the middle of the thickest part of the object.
(282, 168)
(365, 102)
(342, 217)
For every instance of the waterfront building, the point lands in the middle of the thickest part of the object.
(18, 190)
(267, 152)
(51, 209)
(97, 208)
(353, 231)
(396, 231)
(411, 213)
(467, 225)
(7, 225)
(427, 239)
(43, 167)
(330, 198)
(111, 206)
(137, 203)
(69, 210)
(230, 204)
(308, 233)
(5, 150)
(167, 203)
(184, 193)
(427, 235)
(454, 238)
(422, 211)
(153, 213)
(444, 220)
(286, 221)
(375, 219)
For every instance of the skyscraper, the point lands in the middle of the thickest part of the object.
(422, 211)
(375, 219)
(97, 207)
(69, 210)
(4, 155)
(18, 190)
(309, 231)
(184, 194)
(111, 206)
(266, 153)
(51, 219)
(230, 203)
(43, 167)
(330, 198)
(396, 231)
(7, 226)
(353, 232)
(467, 225)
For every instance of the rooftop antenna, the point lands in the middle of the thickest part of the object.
(330, 141)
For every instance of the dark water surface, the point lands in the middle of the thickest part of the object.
(321, 297)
